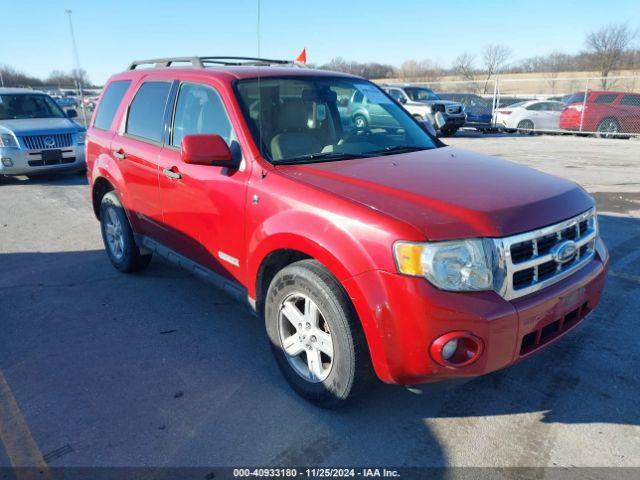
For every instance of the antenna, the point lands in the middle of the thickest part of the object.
(260, 107)
(76, 61)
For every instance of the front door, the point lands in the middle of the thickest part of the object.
(203, 206)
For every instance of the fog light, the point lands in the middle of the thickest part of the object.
(7, 162)
(449, 349)
(456, 349)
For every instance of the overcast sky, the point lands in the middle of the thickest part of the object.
(112, 33)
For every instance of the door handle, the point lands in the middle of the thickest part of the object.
(171, 174)
(119, 154)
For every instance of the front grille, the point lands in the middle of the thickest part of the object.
(437, 107)
(45, 142)
(532, 261)
(43, 163)
(454, 110)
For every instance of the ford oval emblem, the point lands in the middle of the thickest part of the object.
(564, 252)
(49, 141)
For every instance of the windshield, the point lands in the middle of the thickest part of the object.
(421, 94)
(311, 119)
(28, 105)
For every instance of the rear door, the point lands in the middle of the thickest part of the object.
(136, 148)
(203, 206)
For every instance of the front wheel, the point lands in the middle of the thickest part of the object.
(449, 132)
(315, 334)
(118, 237)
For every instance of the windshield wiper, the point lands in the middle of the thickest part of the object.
(396, 149)
(319, 157)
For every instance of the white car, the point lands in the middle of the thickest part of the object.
(530, 116)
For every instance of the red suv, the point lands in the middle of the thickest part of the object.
(607, 113)
(364, 249)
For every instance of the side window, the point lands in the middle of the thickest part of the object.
(396, 94)
(535, 106)
(357, 97)
(631, 100)
(605, 98)
(109, 103)
(146, 113)
(199, 110)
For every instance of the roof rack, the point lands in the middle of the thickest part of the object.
(202, 62)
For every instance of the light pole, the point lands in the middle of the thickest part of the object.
(76, 60)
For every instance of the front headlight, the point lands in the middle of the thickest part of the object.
(8, 140)
(461, 265)
(80, 136)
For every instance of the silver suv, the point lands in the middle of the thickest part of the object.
(425, 105)
(36, 135)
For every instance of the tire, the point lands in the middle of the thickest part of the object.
(526, 126)
(608, 128)
(340, 375)
(359, 121)
(448, 132)
(118, 237)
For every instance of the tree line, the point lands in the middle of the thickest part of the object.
(606, 50)
(11, 77)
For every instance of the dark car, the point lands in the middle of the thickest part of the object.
(478, 109)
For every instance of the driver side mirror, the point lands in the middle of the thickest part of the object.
(204, 149)
(72, 113)
(402, 100)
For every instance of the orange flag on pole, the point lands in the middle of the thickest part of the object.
(302, 58)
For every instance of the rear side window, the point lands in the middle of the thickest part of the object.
(605, 98)
(199, 110)
(146, 113)
(109, 103)
(631, 100)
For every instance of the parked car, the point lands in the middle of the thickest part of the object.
(478, 110)
(529, 116)
(426, 105)
(364, 250)
(607, 113)
(67, 102)
(36, 135)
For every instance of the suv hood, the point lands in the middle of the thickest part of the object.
(448, 193)
(35, 126)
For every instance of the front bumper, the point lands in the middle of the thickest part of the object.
(31, 162)
(454, 120)
(402, 316)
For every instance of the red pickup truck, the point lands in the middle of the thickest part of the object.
(367, 251)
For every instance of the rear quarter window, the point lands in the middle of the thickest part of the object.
(109, 103)
(146, 113)
(631, 100)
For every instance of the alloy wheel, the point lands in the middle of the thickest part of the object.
(114, 233)
(305, 337)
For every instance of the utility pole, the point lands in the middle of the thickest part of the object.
(1, 78)
(76, 61)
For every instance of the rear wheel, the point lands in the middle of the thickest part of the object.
(118, 237)
(315, 334)
(360, 122)
(526, 126)
(608, 128)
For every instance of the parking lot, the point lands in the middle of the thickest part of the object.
(159, 369)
